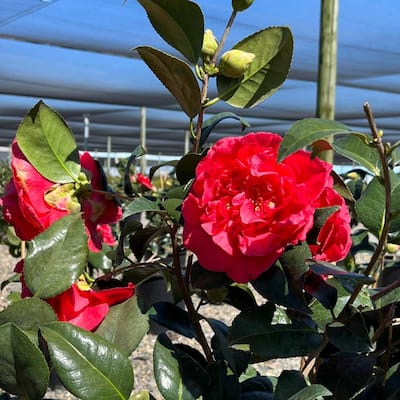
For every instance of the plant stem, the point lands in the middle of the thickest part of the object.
(206, 78)
(201, 338)
(378, 253)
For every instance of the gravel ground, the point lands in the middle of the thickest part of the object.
(142, 356)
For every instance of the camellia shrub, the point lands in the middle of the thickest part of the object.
(253, 213)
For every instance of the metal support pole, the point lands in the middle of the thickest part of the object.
(143, 138)
(108, 153)
(86, 130)
(327, 70)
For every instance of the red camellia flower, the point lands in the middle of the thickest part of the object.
(87, 308)
(32, 203)
(333, 241)
(245, 207)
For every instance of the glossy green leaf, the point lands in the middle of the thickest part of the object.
(28, 313)
(275, 341)
(124, 326)
(141, 239)
(345, 373)
(89, 366)
(56, 257)
(179, 22)
(176, 76)
(173, 317)
(273, 48)
(358, 149)
(49, 145)
(281, 287)
(306, 131)
(178, 375)
(370, 208)
(141, 204)
(173, 208)
(209, 125)
(186, 167)
(289, 383)
(312, 392)
(23, 367)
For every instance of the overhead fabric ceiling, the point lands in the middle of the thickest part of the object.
(77, 56)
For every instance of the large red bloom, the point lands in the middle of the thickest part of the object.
(32, 203)
(245, 207)
(88, 308)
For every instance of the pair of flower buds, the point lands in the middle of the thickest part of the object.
(233, 63)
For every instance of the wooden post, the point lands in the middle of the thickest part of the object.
(326, 94)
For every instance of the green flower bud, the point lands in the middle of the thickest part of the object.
(241, 5)
(234, 63)
(392, 248)
(210, 45)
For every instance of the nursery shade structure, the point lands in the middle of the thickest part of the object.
(77, 56)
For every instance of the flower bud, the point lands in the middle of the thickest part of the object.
(392, 248)
(241, 5)
(210, 45)
(234, 63)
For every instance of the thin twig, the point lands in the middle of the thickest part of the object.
(201, 338)
(378, 253)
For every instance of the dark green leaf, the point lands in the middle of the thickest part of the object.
(289, 383)
(224, 384)
(370, 208)
(186, 167)
(392, 383)
(306, 131)
(89, 366)
(100, 260)
(179, 22)
(345, 373)
(178, 375)
(141, 204)
(176, 76)
(351, 333)
(280, 288)
(240, 296)
(129, 225)
(154, 168)
(124, 326)
(141, 273)
(209, 125)
(324, 268)
(389, 298)
(293, 260)
(274, 341)
(273, 48)
(317, 287)
(312, 392)
(173, 317)
(137, 152)
(28, 313)
(141, 239)
(49, 145)
(56, 257)
(173, 208)
(357, 148)
(23, 368)
(204, 279)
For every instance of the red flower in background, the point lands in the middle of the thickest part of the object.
(32, 203)
(88, 308)
(245, 207)
(142, 180)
